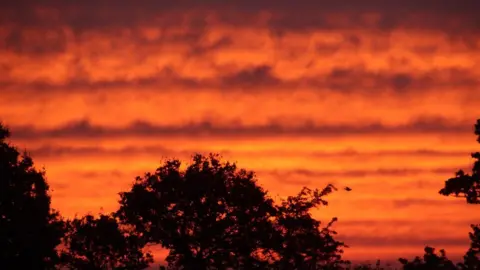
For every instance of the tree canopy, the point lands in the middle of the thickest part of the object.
(213, 215)
(301, 242)
(462, 185)
(34, 236)
(430, 260)
(30, 230)
(102, 243)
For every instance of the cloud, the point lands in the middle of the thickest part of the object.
(56, 151)
(409, 202)
(259, 76)
(61, 151)
(37, 42)
(404, 222)
(51, 27)
(263, 78)
(84, 129)
(349, 79)
(223, 42)
(380, 172)
(281, 15)
(307, 64)
(356, 241)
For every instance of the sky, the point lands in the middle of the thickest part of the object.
(380, 96)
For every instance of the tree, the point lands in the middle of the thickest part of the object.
(30, 229)
(369, 266)
(101, 243)
(471, 260)
(463, 184)
(301, 243)
(210, 215)
(468, 186)
(430, 261)
(214, 216)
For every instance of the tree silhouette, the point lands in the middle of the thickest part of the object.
(466, 185)
(369, 266)
(471, 259)
(429, 261)
(29, 229)
(462, 185)
(101, 243)
(210, 215)
(214, 216)
(301, 243)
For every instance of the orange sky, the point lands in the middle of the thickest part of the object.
(379, 96)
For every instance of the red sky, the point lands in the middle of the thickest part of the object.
(377, 95)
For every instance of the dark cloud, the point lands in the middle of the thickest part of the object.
(408, 202)
(50, 18)
(351, 79)
(402, 241)
(401, 81)
(404, 205)
(101, 174)
(425, 49)
(348, 80)
(40, 42)
(167, 77)
(327, 48)
(381, 172)
(284, 15)
(84, 129)
(259, 76)
(61, 151)
(223, 42)
(349, 42)
(376, 223)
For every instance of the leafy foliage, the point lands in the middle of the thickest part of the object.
(430, 260)
(101, 243)
(214, 216)
(301, 241)
(471, 260)
(29, 229)
(368, 266)
(210, 215)
(463, 184)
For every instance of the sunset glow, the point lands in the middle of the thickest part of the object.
(375, 96)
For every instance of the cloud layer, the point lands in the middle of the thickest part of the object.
(380, 96)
